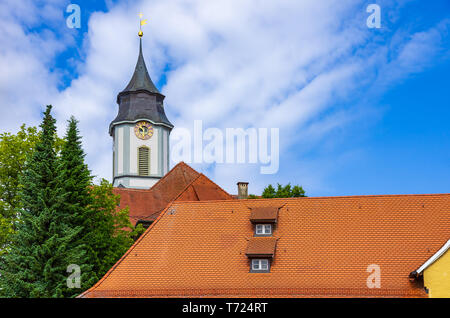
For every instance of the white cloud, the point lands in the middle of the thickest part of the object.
(26, 83)
(230, 63)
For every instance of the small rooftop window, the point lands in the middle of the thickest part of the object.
(260, 265)
(263, 229)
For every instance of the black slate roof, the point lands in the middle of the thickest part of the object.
(141, 99)
(141, 80)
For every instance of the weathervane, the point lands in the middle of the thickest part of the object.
(141, 23)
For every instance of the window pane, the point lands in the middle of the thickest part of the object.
(264, 264)
(255, 264)
(259, 229)
(268, 229)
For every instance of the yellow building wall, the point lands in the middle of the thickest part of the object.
(437, 277)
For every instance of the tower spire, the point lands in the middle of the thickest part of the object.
(140, 130)
(141, 79)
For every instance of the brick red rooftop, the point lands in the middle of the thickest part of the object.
(182, 183)
(324, 247)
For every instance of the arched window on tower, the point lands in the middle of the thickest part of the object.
(144, 161)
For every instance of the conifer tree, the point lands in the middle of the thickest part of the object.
(76, 183)
(283, 191)
(269, 192)
(42, 248)
(105, 231)
(15, 150)
(64, 219)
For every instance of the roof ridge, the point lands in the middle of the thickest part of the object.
(220, 188)
(178, 195)
(325, 197)
(181, 163)
(186, 187)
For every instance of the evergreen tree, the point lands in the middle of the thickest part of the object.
(15, 151)
(106, 232)
(283, 191)
(63, 219)
(297, 191)
(76, 183)
(269, 192)
(42, 248)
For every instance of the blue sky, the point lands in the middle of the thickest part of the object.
(408, 149)
(360, 111)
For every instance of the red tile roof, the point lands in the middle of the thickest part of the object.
(261, 246)
(264, 214)
(324, 247)
(182, 183)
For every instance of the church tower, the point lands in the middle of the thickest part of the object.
(140, 132)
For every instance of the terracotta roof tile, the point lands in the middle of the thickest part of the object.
(324, 248)
(175, 181)
(182, 183)
(264, 214)
(261, 247)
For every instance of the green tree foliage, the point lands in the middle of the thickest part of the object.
(269, 192)
(286, 191)
(42, 247)
(76, 183)
(14, 152)
(6, 231)
(60, 216)
(138, 230)
(108, 230)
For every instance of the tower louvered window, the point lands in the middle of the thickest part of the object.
(144, 161)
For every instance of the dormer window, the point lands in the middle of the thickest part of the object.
(260, 265)
(260, 251)
(263, 229)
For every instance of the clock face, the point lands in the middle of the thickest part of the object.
(143, 130)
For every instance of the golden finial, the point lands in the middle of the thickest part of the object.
(141, 23)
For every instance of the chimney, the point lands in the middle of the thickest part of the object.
(242, 190)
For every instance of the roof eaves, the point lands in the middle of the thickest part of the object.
(82, 295)
(433, 258)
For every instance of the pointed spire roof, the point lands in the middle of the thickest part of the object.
(141, 80)
(140, 100)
